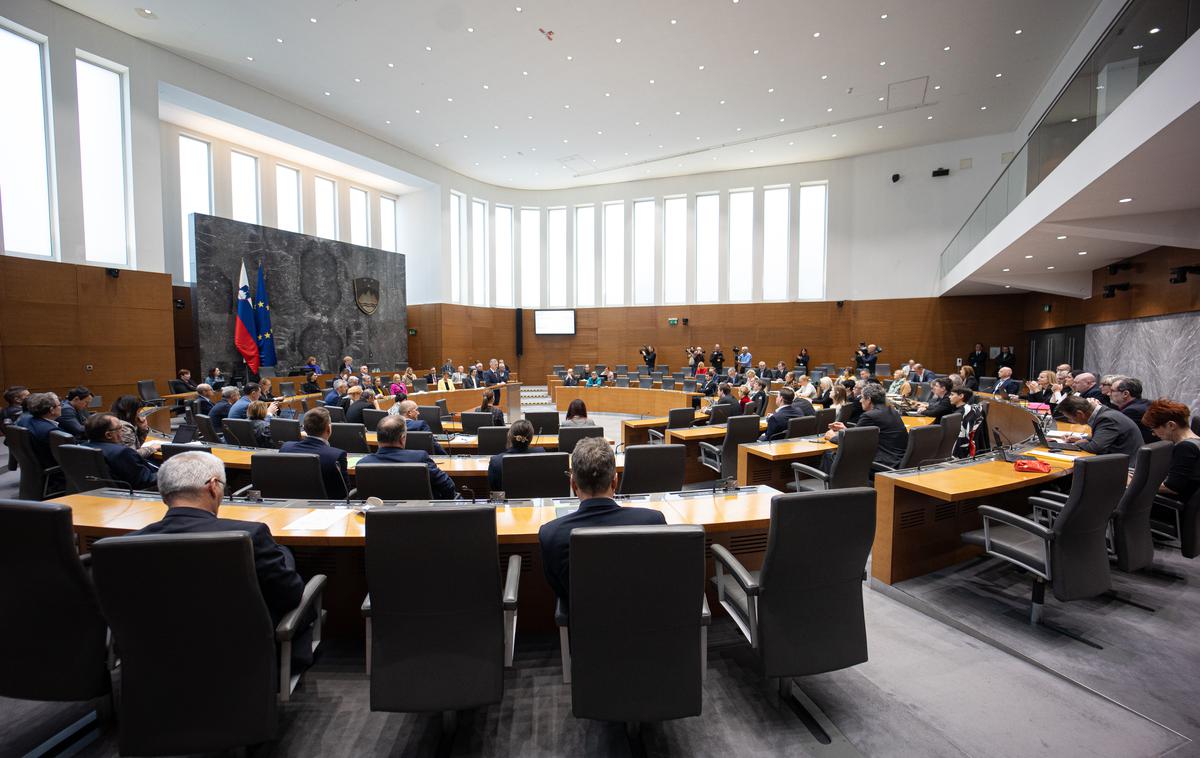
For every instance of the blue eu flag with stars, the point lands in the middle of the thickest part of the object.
(262, 318)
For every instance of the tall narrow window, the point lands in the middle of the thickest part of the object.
(479, 253)
(741, 244)
(456, 246)
(556, 257)
(674, 249)
(585, 256)
(243, 184)
(643, 252)
(708, 233)
(812, 220)
(287, 200)
(387, 224)
(102, 163)
(360, 217)
(325, 207)
(24, 148)
(195, 191)
(531, 255)
(614, 254)
(776, 218)
(504, 256)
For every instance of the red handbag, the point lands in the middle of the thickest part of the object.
(1032, 467)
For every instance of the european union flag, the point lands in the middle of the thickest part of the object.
(262, 319)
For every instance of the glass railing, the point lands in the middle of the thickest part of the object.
(1144, 35)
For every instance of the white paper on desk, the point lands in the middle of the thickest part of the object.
(319, 520)
(1055, 456)
(1056, 434)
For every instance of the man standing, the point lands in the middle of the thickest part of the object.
(103, 432)
(978, 359)
(893, 437)
(743, 359)
(717, 359)
(392, 432)
(1006, 359)
(491, 378)
(317, 429)
(1112, 431)
(1126, 396)
(74, 413)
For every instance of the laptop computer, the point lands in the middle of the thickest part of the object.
(184, 434)
(1051, 444)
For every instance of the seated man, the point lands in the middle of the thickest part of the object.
(407, 410)
(43, 410)
(569, 380)
(74, 412)
(594, 481)
(1085, 386)
(317, 429)
(893, 436)
(335, 395)
(251, 393)
(220, 411)
(1112, 431)
(785, 411)
(204, 399)
(725, 397)
(103, 432)
(392, 433)
(940, 404)
(734, 378)
(920, 374)
(1005, 384)
(1126, 396)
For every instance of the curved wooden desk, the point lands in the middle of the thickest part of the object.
(633, 400)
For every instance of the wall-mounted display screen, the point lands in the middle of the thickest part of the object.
(554, 322)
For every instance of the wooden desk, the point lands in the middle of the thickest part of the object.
(691, 438)
(636, 431)
(770, 463)
(634, 400)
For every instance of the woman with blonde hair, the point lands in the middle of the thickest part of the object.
(970, 381)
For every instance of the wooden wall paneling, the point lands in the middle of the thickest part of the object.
(187, 352)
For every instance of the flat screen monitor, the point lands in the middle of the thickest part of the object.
(554, 322)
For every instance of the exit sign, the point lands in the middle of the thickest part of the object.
(673, 322)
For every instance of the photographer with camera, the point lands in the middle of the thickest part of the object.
(866, 356)
(649, 356)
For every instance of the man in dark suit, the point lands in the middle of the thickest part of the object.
(1005, 384)
(43, 410)
(492, 377)
(251, 393)
(336, 393)
(709, 388)
(317, 429)
(920, 374)
(717, 359)
(204, 399)
(733, 378)
(103, 432)
(978, 359)
(940, 404)
(569, 380)
(407, 410)
(725, 397)
(785, 410)
(1085, 386)
(893, 436)
(1007, 357)
(74, 412)
(392, 432)
(220, 411)
(1126, 396)
(1112, 431)
(594, 481)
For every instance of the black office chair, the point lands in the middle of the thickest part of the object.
(472, 420)
(923, 445)
(432, 415)
(720, 413)
(569, 436)
(444, 407)
(337, 414)
(653, 468)
(372, 417)
(287, 389)
(419, 441)
(148, 392)
(208, 433)
(420, 385)
(36, 479)
(57, 439)
(802, 426)
(177, 386)
(544, 422)
(668, 384)
(240, 432)
(349, 437)
(677, 418)
(51, 625)
(222, 693)
(623, 381)
(951, 425)
(1071, 554)
(825, 417)
(921, 391)
(536, 475)
(802, 612)
(689, 385)
(637, 623)
(286, 475)
(492, 439)
(85, 468)
(850, 467)
(1178, 522)
(392, 481)
(987, 383)
(440, 643)
(170, 449)
(723, 460)
(285, 430)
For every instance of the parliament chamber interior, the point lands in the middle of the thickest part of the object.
(735, 377)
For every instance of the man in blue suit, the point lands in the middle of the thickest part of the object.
(786, 409)
(220, 411)
(920, 374)
(407, 410)
(335, 395)
(103, 431)
(251, 392)
(391, 433)
(74, 412)
(41, 418)
(1005, 384)
(317, 429)
(594, 480)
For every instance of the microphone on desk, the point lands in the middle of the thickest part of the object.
(462, 488)
(345, 484)
(111, 483)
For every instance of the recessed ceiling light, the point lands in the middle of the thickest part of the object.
(756, 52)
(326, 93)
(752, 150)
(618, 40)
(250, 58)
(1074, 120)
(357, 80)
(880, 99)
(880, 126)
(882, 63)
(608, 94)
(883, 15)
(1138, 47)
(700, 67)
(145, 13)
(660, 147)
(464, 136)
(829, 110)
(672, 21)
(524, 73)
(676, 113)
(833, 135)
(1006, 270)
(722, 102)
(428, 49)
(626, 153)
(946, 48)
(518, 9)
(1018, 31)
(1028, 257)
(739, 128)
(1061, 237)
(495, 126)
(1049, 268)
(1008, 286)
(1125, 200)
(791, 143)
(418, 111)
(598, 131)
(999, 75)
(652, 81)
(389, 123)
(279, 40)
(312, 20)
(770, 90)
(929, 118)
(937, 86)
(449, 99)
(437, 144)
(530, 117)
(824, 77)
(533, 149)
(567, 106)
(564, 142)
(471, 29)
(781, 120)
(391, 65)
(1155, 30)
(1082, 252)
(476, 163)
(570, 57)
(983, 107)
(637, 123)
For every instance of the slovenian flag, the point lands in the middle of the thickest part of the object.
(262, 316)
(244, 330)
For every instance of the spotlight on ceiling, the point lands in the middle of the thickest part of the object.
(1111, 290)
(1179, 274)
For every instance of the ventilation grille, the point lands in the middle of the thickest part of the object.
(945, 511)
(912, 519)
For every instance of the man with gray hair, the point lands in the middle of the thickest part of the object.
(893, 436)
(335, 395)
(42, 410)
(594, 481)
(220, 411)
(192, 485)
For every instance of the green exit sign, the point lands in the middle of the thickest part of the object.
(412, 332)
(673, 322)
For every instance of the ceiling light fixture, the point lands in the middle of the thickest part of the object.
(722, 102)
(437, 144)
(652, 81)
(672, 21)
(391, 65)
(471, 29)
(929, 118)
(880, 99)
(418, 111)
(1049, 268)
(428, 49)
(700, 67)
(781, 120)
(326, 93)
(1018, 31)
(1061, 237)
(946, 49)
(145, 13)
(1006, 270)
(880, 126)
(1138, 47)
(1125, 200)
(608, 94)
(824, 77)
(999, 75)
(676, 113)
(250, 58)
(357, 80)
(570, 57)
(279, 40)
(1074, 120)
(883, 16)
(833, 135)
(829, 110)
(530, 117)
(937, 86)
(449, 99)
(618, 40)
(789, 144)
(770, 90)
(816, 34)
(1082, 252)
(1008, 286)
(389, 123)
(524, 73)
(312, 20)
(1028, 257)
(983, 107)
(739, 128)
(1155, 30)
(756, 52)
(882, 63)
(485, 86)
(637, 123)
(495, 126)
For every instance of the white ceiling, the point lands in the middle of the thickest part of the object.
(493, 102)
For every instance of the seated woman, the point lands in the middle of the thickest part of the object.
(410, 376)
(312, 383)
(215, 378)
(310, 364)
(259, 414)
(805, 388)
(134, 426)
(577, 415)
(446, 383)
(486, 406)
(970, 381)
(824, 392)
(1169, 421)
(594, 380)
(519, 437)
(1043, 390)
(754, 399)
(837, 397)
(264, 386)
(898, 381)
(700, 369)
(397, 389)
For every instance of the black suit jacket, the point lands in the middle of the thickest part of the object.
(496, 465)
(978, 361)
(333, 463)
(441, 484)
(125, 464)
(939, 407)
(354, 414)
(777, 423)
(570, 381)
(203, 406)
(217, 416)
(893, 436)
(39, 438)
(555, 536)
(1135, 410)
(72, 421)
(281, 586)
(1112, 432)
(1007, 386)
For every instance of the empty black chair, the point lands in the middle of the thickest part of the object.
(372, 417)
(923, 445)
(36, 479)
(392, 481)
(208, 433)
(444, 407)
(148, 392)
(825, 417)
(492, 440)
(85, 468)
(150, 583)
(921, 391)
(170, 449)
(430, 414)
(240, 432)
(851, 465)
(951, 425)
(569, 436)
(802, 613)
(419, 441)
(51, 625)
(536, 475)
(544, 422)
(653, 468)
(57, 439)
(472, 420)
(349, 437)
(636, 656)
(668, 384)
(1070, 555)
(420, 385)
(720, 413)
(284, 430)
(286, 475)
(677, 418)
(802, 426)
(723, 460)
(337, 414)
(440, 643)
(689, 385)
(287, 389)
(623, 381)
